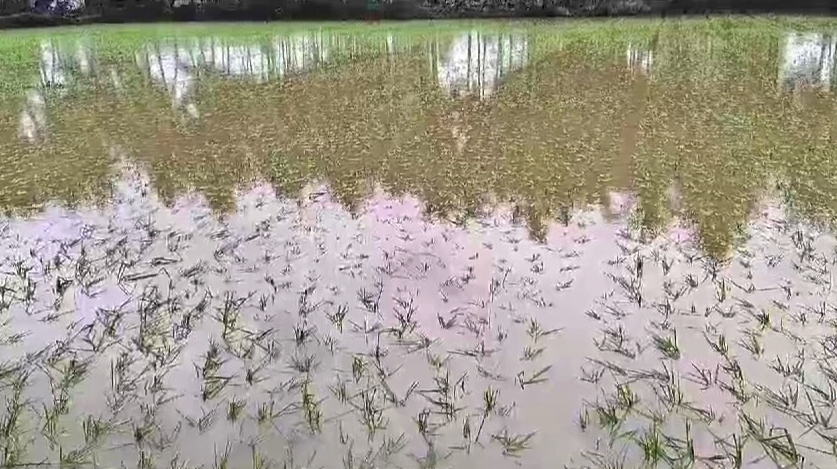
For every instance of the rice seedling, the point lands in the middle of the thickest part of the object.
(617, 340)
(530, 353)
(752, 344)
(512, 444)
(338, 316)
(371, 413)
(536, 377)
(536, 332)
(13, 443)
(304, 363)
(667, 346)
(653, 447)
(234, 409)
(311, 409)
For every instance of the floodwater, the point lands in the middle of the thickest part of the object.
(479, 250)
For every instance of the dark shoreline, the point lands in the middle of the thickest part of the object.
(343, 10)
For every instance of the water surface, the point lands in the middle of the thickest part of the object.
(325, 250)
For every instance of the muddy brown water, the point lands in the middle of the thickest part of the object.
(320, 252)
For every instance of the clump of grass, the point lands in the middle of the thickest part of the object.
(311, 408)
(512, 444)
(653, 446)
(667, 345)
(371, 412)
(234, 409)
(489, 398)
(338, 316)
(13, 440)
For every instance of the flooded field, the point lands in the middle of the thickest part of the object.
(487, 245)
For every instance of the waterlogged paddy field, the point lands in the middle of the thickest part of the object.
(585, 245)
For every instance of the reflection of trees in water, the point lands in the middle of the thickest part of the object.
(51, 75)
(170, 70)
(476, 62)
(56, 68)
(175, 66)
(51, 66)
(552, 139)
(33, 117)
(803, 142)
(639, 58)
(808, 61)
